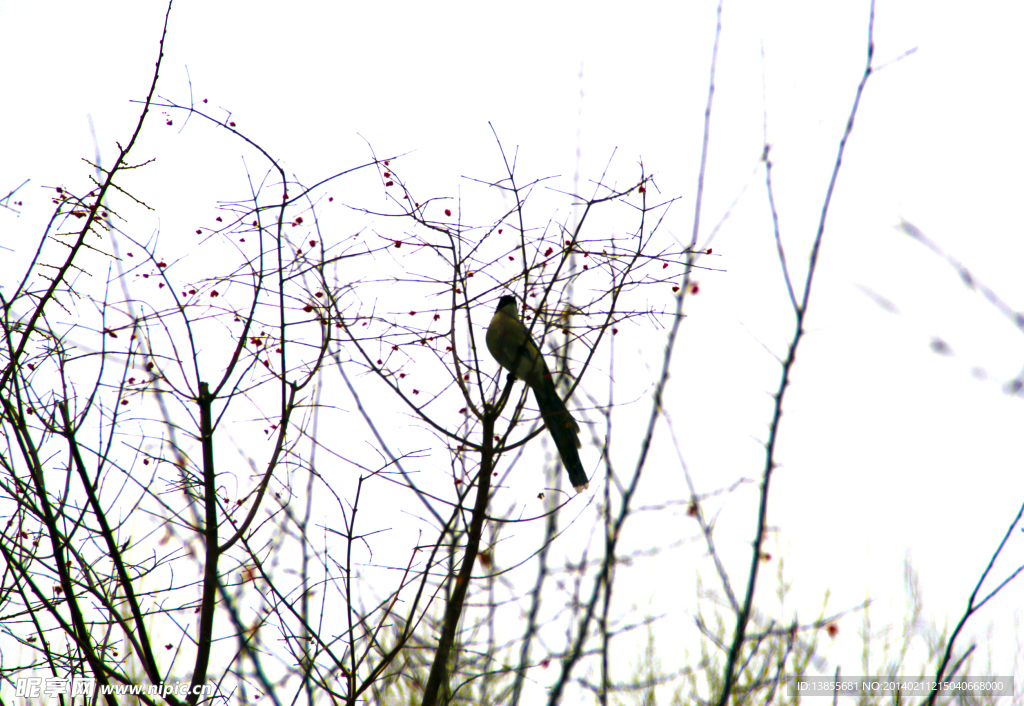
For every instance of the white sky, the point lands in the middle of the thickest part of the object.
(888, 450)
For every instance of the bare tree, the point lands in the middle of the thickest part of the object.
(141, 549)
(270, 457)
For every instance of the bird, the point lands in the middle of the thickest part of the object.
(510, 344)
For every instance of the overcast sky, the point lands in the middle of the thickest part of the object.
(888, 450)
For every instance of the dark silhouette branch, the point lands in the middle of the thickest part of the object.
(453, 611)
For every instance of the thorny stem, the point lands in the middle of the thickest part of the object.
(787, 369)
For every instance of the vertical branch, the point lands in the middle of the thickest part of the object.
(209, 602)
(606, 578)
(787, 368)
(705, 142)
(453, 611)
(550, 530)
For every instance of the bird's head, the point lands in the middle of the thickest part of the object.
(507, 304)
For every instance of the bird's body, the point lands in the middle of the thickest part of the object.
(510, 343)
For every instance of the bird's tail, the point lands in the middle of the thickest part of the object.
(563, 429)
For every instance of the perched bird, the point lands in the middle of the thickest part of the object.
(510, 343)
